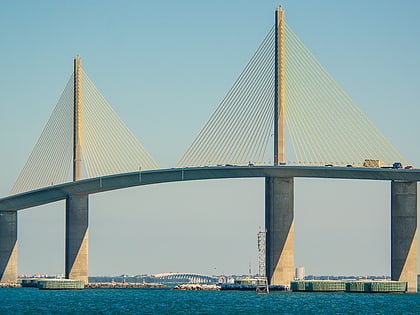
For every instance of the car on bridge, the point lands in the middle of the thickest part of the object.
(397, 165)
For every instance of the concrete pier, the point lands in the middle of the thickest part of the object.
(279, 222)
(77, 221)
(8, 246)
(404, 248)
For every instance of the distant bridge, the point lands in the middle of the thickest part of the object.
(186, 277)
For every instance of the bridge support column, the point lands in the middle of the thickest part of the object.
(8, 246)
(77, 220)
(279, 223)
(404, 248)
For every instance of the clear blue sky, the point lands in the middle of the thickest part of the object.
(164, 66)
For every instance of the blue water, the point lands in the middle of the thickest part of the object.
(163, 301)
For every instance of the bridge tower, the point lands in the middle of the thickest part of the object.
(77, 120)
(77, 205)
(279, 191)
(279, 89)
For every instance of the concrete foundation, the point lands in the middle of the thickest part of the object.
(279, 222)
(404, 248)
(77, 221)
(8, 246)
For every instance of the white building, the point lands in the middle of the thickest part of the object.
(300, 273)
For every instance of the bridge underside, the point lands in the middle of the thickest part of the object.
(279, 197)
(279, 222)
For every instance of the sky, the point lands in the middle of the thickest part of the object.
(164, 66)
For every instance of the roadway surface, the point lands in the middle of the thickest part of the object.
(112, 182)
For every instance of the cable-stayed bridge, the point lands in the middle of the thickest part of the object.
(284, 117)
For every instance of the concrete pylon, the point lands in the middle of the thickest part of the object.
(279, 90)
(279, 212)
(404, 246)
(279, 223)
(77, 206)
(8, 246)
(77, 119)
(77, 221)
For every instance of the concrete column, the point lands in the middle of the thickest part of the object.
(279, 89)
(404, 248)
(8, 246)
(77, 221)
(77, 120)
(279, 222)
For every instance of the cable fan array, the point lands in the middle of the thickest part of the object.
(108, 146)
(239, 130)
(323, 124)
(50, 160)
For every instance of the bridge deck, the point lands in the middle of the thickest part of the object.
(119, 181)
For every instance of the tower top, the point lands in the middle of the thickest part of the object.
(280, 12)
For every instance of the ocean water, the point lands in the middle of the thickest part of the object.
(165, 301)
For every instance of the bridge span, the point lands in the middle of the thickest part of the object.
(113, 182)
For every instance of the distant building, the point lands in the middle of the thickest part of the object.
(300, 273)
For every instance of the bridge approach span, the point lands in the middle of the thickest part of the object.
(125, 180)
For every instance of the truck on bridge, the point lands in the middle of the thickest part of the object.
(380, 164)
(372, 163)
